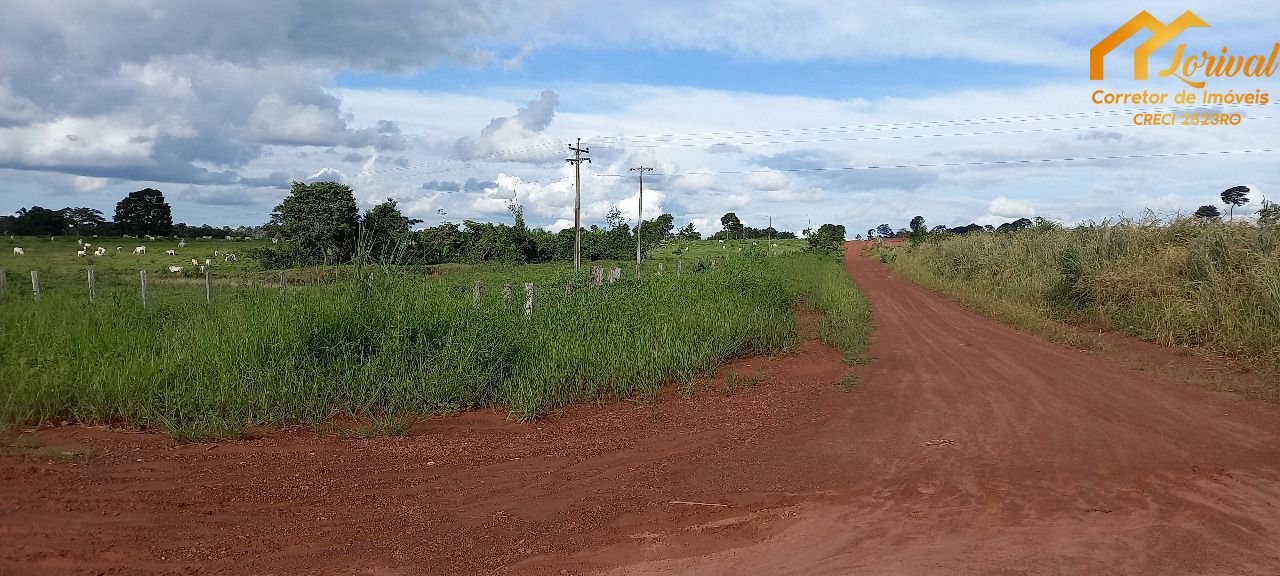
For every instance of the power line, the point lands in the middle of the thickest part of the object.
(963, 164)
(919, 124)
(907, 136)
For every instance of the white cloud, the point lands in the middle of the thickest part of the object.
(1007, 208)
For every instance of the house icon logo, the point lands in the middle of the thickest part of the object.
(1161, 34)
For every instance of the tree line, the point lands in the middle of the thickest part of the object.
(141, 213)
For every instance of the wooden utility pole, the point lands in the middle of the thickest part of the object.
(640, 212)
(577, 161)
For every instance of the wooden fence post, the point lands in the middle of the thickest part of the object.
(35, 284)
(282, 282)
(660, 268)
(528, 298)
(142, 276)
(507, 294)
(92, 292)
(208, 286)
(615, 274)
(680, 267)
(475, 293)
(4, 281)
(597, 275)
(568, 289)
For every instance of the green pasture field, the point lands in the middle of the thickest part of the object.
(391, 342)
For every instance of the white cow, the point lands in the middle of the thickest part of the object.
(119, 248)
(231, 257)
(79, 242)
(216, 253)
(88, 245)
(100, 251)
(170, 252)
(17, 251)
(275, 240)
(182, 244)
(79, 252)
(175, 269)
(195, 262)
(140, 250)
(208, 262)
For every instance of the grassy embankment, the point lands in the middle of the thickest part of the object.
(401, 344)
(1210, 286)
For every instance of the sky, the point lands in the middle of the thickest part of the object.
(796, 113)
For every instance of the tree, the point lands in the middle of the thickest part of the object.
(871, 233)
(1235, 196)
(1208, 213)
(1014, 226)
(919, 231)
(827, 238)
(689, 232)
(144, 212)
(83, 220)
(38, 221)
(656, 231)
(385, 230)
(320, 220)
(732, 225)
(939, 229)
(884, 231)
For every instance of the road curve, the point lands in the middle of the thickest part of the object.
(977, 449)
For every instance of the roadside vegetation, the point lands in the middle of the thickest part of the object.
(1193, 281)
(382, 342)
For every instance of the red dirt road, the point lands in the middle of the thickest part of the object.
(970, 449)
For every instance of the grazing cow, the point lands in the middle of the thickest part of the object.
(170, 252)
(79, 252)
(88, 245)
(208, 262)
(100, 251)
(140, 250)
(722, 241)
(79, 242)
(119, 248)
(275, 240)
(216, 253)
(195, 262)
(175, 269)
(18, 251)
(231, 257)
(182, 244)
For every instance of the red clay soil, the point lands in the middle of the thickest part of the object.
(970, 448)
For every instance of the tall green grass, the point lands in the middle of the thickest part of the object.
(1209, 285)
(378, 342)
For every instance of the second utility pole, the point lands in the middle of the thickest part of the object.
(640, 212)
(577, 161)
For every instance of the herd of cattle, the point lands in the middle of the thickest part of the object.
(82, 249)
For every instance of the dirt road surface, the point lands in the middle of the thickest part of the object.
(970, 448)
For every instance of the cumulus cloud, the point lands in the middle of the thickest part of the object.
(512, 137)
(191, 92)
